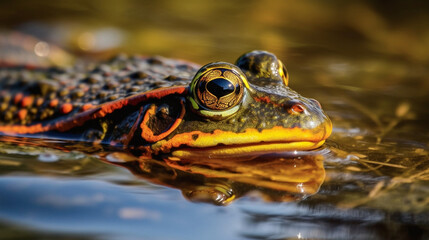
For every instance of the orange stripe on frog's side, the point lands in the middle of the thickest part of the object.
(93, 113)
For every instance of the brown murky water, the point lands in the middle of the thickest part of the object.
(367, 63)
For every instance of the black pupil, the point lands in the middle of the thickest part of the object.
(220, 87)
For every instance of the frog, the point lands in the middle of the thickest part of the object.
(157, 106)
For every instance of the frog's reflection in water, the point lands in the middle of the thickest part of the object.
(273, 177)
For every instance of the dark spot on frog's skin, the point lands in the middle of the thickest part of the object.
(102, 94)
(138, 74)
(125, 80)
(78, 94)
(134, 89)
(154, 60)
(105, 69)
(111, 85)
(171, 78)
(140, 82)
(113, 97)
(42, 88)
(184, 67)
(93, 78)
(195, 136)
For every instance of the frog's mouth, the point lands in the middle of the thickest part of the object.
(246, 149)
(252, 141)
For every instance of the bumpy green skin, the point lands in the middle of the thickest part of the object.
(85, 84)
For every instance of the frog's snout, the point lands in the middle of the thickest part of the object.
(310, 114)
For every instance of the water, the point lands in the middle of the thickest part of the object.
(365, 62)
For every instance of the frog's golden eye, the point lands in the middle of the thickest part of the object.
(218, 89)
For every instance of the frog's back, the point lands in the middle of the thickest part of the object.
(29, 96)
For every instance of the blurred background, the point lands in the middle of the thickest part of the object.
(327, 36)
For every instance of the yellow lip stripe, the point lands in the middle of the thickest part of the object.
(276, 134)
(254, 149)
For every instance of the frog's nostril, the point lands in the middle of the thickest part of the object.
(316, 102)
(297, 108)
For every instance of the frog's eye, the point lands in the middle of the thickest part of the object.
(217, 90)
(260, 66)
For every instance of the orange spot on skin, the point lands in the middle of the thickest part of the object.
(27, 101)
(266, 99)
(22, 114)
(66, 108)
(87, 107)
(53, 103)
(263, 99)
(18, 98)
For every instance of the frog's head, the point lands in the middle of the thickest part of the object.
(246, 108)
